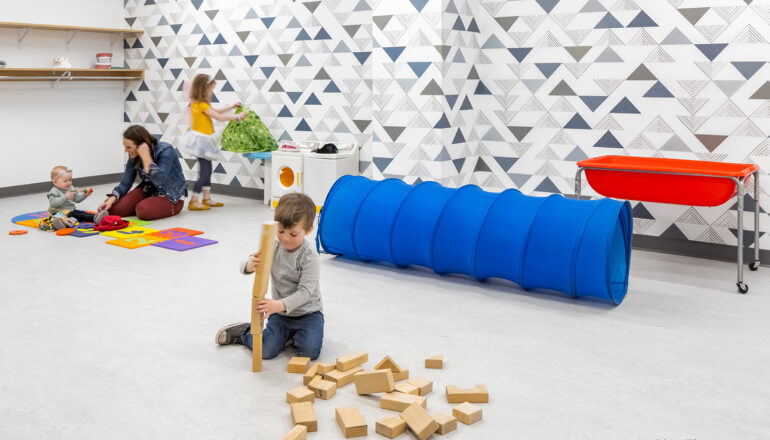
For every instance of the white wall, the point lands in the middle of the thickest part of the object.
(77, 124)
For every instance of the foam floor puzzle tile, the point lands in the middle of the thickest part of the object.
(84, 232)
(136, 242)
(85, 225)
(133, 221)
(174, 233)
(38, 215)
(185, 244)
(32, 223)
(129, 231)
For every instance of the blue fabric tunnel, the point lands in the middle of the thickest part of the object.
(581, 248)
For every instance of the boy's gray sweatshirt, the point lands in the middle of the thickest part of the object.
(58, 201)
(295, 279)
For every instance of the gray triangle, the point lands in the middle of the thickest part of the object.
(729, 87)
(506, 22)
(213, 13)
(642, 73)
(190, 60)
(578, 52)
(519, 179)
(220, 76)
(156, 40)
(533, 84)
(493, 135)
(576, 155)
(394, 132)
(204, 64)
(562, 89)
(473, 74)
(243, 35)
(406, 84)
(443, 155)
(481, 165)
(693, 14)
(443, 50)
(763, 92)
(609, 56)
(276, 87)
(432, 89)
(675, 37)
(381, 20)
(342, 128)
(322, 75)
(235, 52)
(351, 29)
(673, 232)
(675, 144)
(311, 6)
(493, 43)
(150, 55)
(285, 57)
(458, 58)
(361, 124)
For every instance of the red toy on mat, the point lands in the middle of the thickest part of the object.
(111, 223)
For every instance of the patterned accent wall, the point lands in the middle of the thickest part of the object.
(496, 93)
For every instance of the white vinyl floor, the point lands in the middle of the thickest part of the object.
(101, 342)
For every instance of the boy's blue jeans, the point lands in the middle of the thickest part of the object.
(307, 331)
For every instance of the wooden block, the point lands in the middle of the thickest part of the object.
(298, 365)
(388, 364)
(324, 368)
(342, 378)
(478, 394)
(399, 401)
(349, 361)
(375, 381)
(446, 423)
(424, 385)
(302, 413)
(351, 422)
(261, 279)
(407, 388)
(390, 426)
(402, 375)
(298, 433)
(467, 413)
(323, 389)
(310, 374)
(436, 361)
(300, 394)
(314, 380)
(419, 421)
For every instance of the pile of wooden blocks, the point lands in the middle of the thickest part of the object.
(399, 393)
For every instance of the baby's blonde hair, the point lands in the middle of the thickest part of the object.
(59, 170)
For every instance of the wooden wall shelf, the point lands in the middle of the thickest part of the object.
(56, 27)
(54, 74)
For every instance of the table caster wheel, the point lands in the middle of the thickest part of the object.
(754, 265)
(742, 287)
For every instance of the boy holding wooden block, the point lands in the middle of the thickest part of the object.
(296, 311)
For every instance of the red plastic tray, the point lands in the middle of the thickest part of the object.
(699, 183)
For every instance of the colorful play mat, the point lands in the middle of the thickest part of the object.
(135, 235)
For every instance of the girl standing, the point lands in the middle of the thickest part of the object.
(200, 140)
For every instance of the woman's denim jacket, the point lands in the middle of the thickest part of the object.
(165, 173)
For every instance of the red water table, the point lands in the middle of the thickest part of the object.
(677, 181)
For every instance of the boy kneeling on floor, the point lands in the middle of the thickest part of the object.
(295, 312)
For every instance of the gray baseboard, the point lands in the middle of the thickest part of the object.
(44, 187)
(697, 249)
(235, 191)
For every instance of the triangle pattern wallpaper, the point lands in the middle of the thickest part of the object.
(500, 94)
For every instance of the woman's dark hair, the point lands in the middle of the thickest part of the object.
(139, 135)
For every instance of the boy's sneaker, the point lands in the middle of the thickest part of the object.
(100, 215)
(58, 223)
(231, 334)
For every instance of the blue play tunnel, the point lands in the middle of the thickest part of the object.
(578, 247)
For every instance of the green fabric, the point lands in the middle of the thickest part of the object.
(248, 136)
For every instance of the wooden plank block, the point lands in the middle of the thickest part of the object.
(324, 368)
(342, 378)
(424, 385)
(300, 394)
(477, 394)
(310, 374)
(349, 361)
(446, 423)
(298, 365)
(467, 413)
(407, 388)
(261, 279)
(390, 426)
(436, 361)
(323, 389)
(419, 421)
(351, 422)
(302, 413)
(402, 375)
(388, 364)
(375, 381)
(314, 380)
(299, 432)
(399, 401)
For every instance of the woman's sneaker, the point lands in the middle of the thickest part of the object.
(100, 215)
(231, 334)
